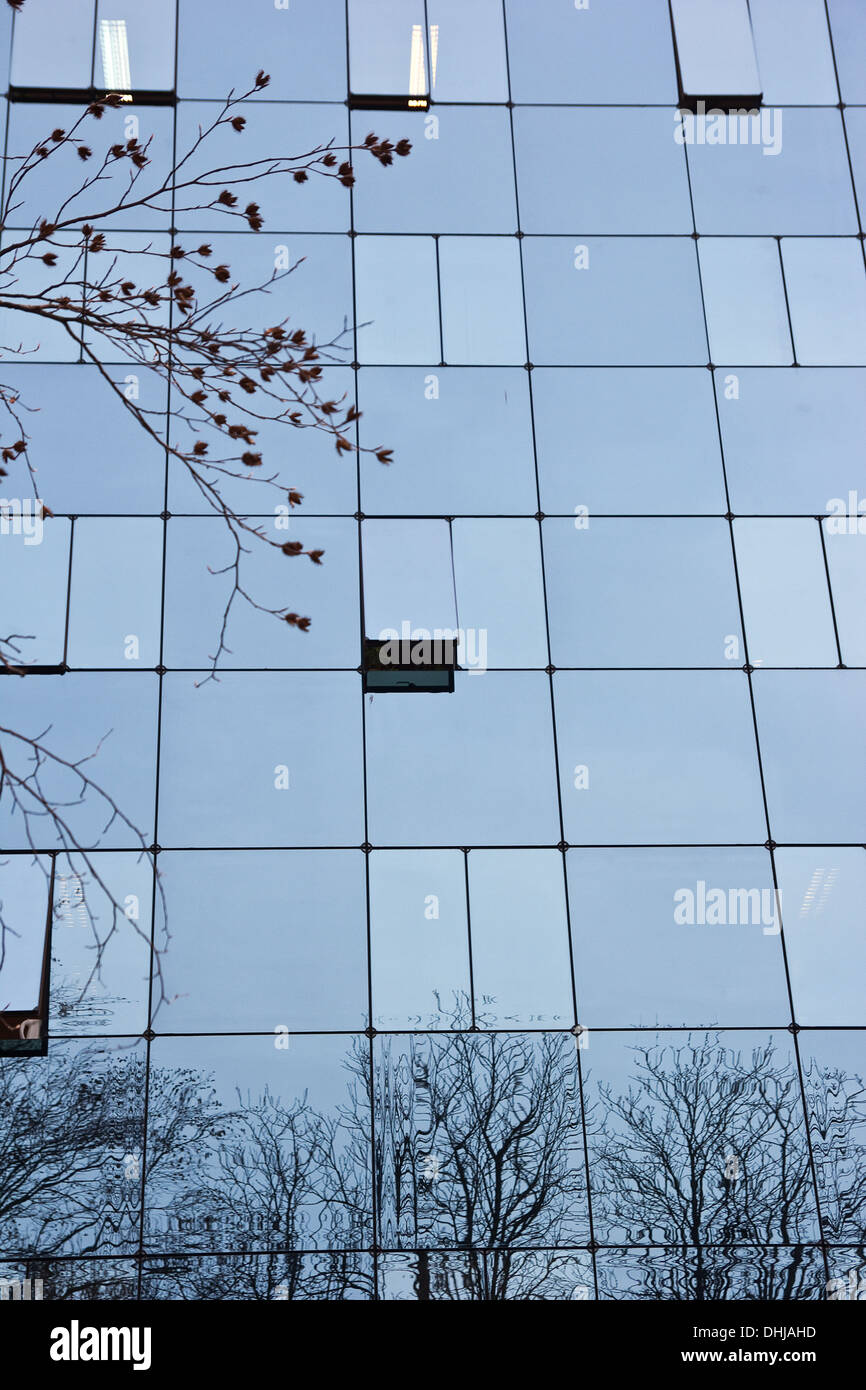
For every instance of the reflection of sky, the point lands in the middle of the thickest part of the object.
(625, 528)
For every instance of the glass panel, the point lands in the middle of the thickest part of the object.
(722, 1273)
(813, 800)
(34, 575)
(855, 126)
(109, 719)
(115, 623)
(745, 300)
(38, 339)
(419, 944)
(827, 298)
(303, 460)
(846, 559)
(438, 188)
(197, 589)
(520, 956)
(408, 578)
(500, 594)
(105, 463)
(620, 440)
(619, 51)
(447, 1108)
(80, 1186)
(698, 1136)
(774, 180)
(600, 170)
(833, 1067)
(386, 47)
(345, 1276)
(657, 757)
(786, 601)
(617, 598)
(429, 419)
(848, 27)
(715, 48)
(112, 999)
(482, 310)
(447, 769)
(23, 919)
(273, 132)
(134, 46)
(397, 301)
(713, 911)
(62, 175)
(284, 974)
(794, 56)
(467, 50)
(269, 787)
(575, 290)
(823, 891)
(793, 440)
(303, 47)
(53, 43)
(266, 1158)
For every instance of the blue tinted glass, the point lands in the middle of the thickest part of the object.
(827, 298)
(428, 418)
(821, 891)
(419, 940)
(626, 441)
(573, 289)
(439, 187)
(468, 753)
(482, 318)
(781, 172)
(616, 594)
(794, 55)
(520, 947)
(786, 600)
(284, 976)
(814, 800)
(848, 27)
(200, 554)
(600, 170)
(34, 575)
(116, 623)
(745, 298)
(792, 440)
(202, 795)
(657, 757)
(845, 539)
(272, 132)
(302, 45)
(397, 300)
(620, 51)
(712, 910)
(647, 1086)
(53, 44)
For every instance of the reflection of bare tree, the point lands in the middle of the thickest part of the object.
(469, 1148)
(477, 1146)
(708, 1150)
(71, 1147)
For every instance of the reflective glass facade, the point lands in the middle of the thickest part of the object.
(548, 986)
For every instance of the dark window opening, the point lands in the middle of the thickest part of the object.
(25, 984)
(407, 664)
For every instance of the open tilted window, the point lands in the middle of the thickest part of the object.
(25, 955)
(390, 58)
(410, 608)
(715, 50)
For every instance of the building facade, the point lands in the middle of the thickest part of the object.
(536, 981)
